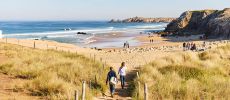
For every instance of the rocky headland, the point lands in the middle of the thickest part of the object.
(142, 20)
(212, 23)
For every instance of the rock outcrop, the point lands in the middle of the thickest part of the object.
(212, 23)
(142, 20)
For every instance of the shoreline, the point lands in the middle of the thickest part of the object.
(159, 44)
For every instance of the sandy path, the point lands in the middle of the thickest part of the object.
(8, 89)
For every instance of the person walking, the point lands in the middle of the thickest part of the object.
(184, 46)
(122, 73)
(112, 80)
(127, 44)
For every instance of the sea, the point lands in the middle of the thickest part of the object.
(66, 31)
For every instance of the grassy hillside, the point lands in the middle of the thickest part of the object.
(188, 76)
(52, 74)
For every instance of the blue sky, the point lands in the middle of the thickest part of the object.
(100, 9)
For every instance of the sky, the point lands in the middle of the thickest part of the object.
(17, 10)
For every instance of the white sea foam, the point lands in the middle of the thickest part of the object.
(92, 31)
(1, 34)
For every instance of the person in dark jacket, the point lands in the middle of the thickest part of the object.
(111, 74)
(184, 46)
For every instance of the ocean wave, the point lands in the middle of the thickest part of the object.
(92, 31)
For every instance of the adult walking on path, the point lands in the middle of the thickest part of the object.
(112, 79)
(122, 73)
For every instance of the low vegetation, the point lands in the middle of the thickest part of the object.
(188, 76)
(53, 74)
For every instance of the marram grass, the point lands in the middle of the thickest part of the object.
(53, 74)
(188, 76)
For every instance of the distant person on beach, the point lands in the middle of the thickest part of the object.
(127, 44)
(122, 73)
(193, 47)
(188, 46)
(112, 79)
(204, 45)
(124, 45)
(184, 46)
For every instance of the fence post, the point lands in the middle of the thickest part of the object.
(139, 89)
(47, 46)
(146, 92)
(18, 41)
(96, 79)
(83, 90)
(6, 39)
(34, 44)
(76, 95)
(138, 75)
(90, 84)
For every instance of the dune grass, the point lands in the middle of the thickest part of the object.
(188, 76)
(53, 74)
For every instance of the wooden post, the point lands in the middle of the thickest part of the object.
(76, 95)
(56, 47)
(137, 75)
(138, 91)
(100, 59)
(34, 44)
(90, 84)
(146, 92)
(47, 46)
(6, 39)
(96, 79)
(18, 41)
(83, 90)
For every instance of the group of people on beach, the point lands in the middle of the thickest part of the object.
(189, 46)
(126, 44)
(112, 78)
(151, 40)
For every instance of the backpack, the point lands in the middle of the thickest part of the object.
(113, 81)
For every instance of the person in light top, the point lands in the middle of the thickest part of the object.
(122, 73)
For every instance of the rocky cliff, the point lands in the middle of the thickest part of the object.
(212, 23)
(142, 20)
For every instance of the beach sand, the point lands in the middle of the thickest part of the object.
(134, 57)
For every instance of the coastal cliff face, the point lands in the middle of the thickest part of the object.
(212, 23)
(142, 20)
